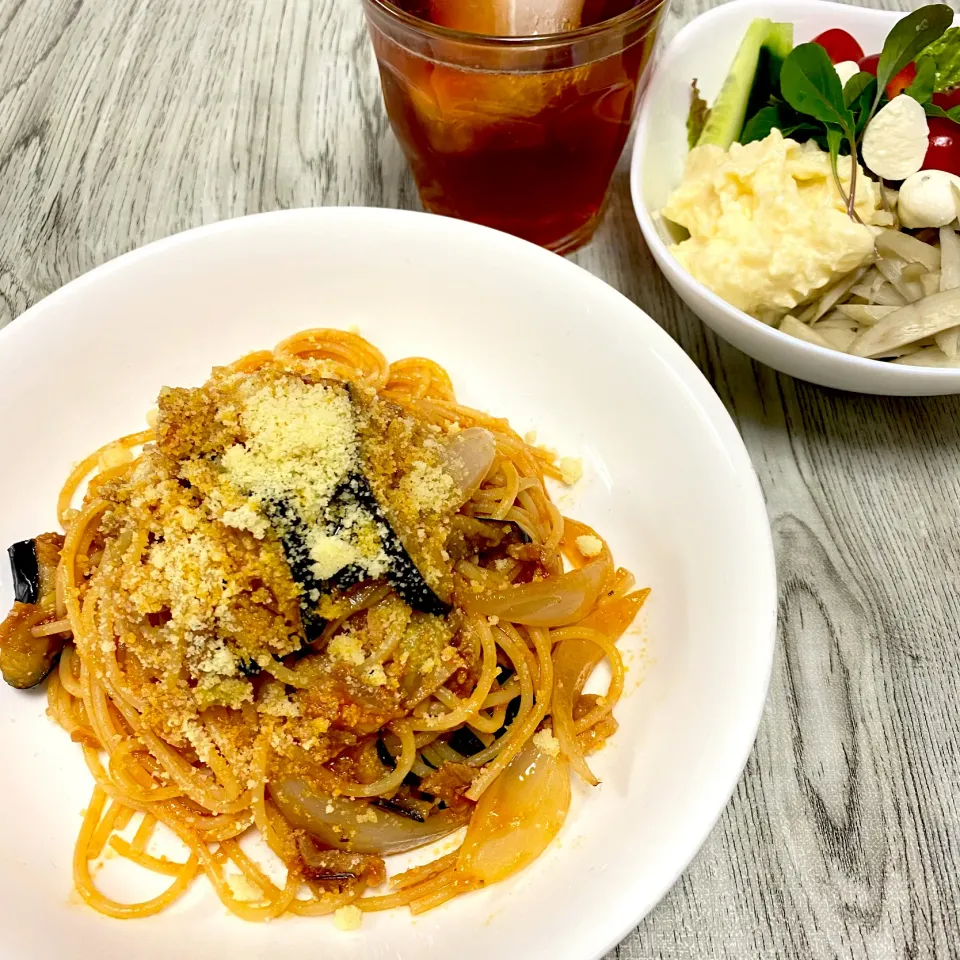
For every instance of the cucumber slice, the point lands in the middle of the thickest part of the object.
(764, 40)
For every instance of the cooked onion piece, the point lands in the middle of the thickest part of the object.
(518, 816)
(469, 457)
(345, 824)
(544, 603)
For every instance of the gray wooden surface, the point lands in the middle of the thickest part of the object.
(122, 121)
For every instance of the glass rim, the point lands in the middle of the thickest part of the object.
(525, 41)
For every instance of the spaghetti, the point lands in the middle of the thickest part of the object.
(323, 601)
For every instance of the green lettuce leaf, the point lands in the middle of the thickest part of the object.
(945, 56)
(697, 117)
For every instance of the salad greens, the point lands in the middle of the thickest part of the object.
(698, 116)
(944, 56)
(811, 85)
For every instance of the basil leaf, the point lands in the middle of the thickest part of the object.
(855, 87)
(781, 116)
(809, 83)
(758, 127)
(802, 132)
(858, 95)
(934, 111)
(922, 87)
(908, 38)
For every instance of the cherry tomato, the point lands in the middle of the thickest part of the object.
(839, 45)
(948, 99)
(899, 83)
(944, 150)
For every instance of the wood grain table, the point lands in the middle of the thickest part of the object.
(122, 121)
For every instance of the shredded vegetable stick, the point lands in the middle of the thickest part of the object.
(928, 357)
(909, 324)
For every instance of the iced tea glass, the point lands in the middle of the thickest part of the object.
(521, 133)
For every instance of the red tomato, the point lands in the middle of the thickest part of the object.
(948, 99)
(839, 45)
(944, 150)
(899, 83)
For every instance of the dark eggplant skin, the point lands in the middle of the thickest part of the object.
(25, 660)
(25, 570)
(403, 574)
(293, 538)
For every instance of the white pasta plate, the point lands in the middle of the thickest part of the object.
(524, 334)
(704, 50)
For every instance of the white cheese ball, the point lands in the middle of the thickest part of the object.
(895, 141)
(928, 199)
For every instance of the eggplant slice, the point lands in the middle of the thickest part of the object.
(403, 573)
(25, 570)
(390, 445)
(25, 660)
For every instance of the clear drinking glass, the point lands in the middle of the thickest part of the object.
(521, 133)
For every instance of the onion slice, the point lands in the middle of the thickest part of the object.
(553, 602)
(518, 816)
(344, 824)
(574, 660)
(468, 458)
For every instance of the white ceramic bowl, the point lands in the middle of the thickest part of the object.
(704, 50)
(523, 333)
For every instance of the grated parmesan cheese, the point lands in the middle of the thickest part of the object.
(429, 487)
(376, 676)
(348, 918)
(571, 469)
(242, 888)
(301, 450)
(301, 442)
(589, 546)
(346, 646)
(330, 554)
(275, 703)
(248, 518)
(546, 742)
(217, 659)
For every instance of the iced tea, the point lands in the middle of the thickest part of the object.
(521, 133)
